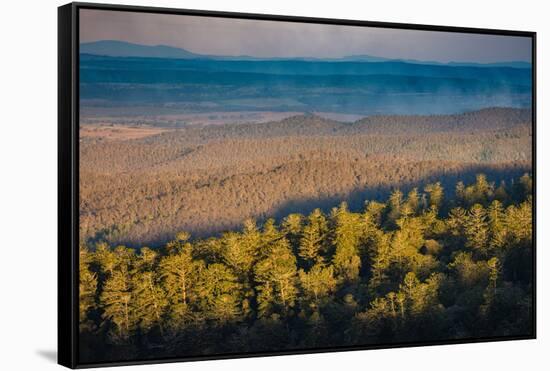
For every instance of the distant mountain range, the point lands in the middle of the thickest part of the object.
(115, 48)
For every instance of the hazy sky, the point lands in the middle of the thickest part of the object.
(208, 35)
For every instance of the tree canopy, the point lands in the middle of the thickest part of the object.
(421, 266)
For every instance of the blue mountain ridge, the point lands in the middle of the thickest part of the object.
(117, 48)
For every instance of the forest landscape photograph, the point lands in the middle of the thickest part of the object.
(259, 186)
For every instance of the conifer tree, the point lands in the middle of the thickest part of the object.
(526, 182)
(238, 253)
(276, 278)
(219, 293)
(476, 228)
(494, 273)
(251, 239)
(519, 220)
(117, 306)
(483, 190)
(460, 194)
(411, 205)
(456, 221)
(178, 273)
(314, 236)
(87, 289)
(501, 194)
(373, 213)
(317, 284)
(495, 213)
(269, 237)
(347, 235)
(395, 203)
(148, 300)
(105, 257)
(436, 195)
(380, 258)
(292, 228)
(179, 243)
(407, 242)
(494, 269)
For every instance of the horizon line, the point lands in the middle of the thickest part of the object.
(382, 59)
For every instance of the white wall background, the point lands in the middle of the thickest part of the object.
(28, 152)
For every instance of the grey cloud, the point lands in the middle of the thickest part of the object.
(222, 36)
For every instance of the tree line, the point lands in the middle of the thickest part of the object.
(418, 267)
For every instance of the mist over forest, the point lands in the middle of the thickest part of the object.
(349, 85)
(243, 204)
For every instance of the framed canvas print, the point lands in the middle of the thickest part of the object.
(236, 185)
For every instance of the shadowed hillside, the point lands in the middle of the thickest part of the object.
(207, 179)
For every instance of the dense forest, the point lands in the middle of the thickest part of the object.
(206, 179)
(423, 265)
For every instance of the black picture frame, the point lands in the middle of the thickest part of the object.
(68, 175)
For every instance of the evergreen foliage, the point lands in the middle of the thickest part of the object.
(416, 268)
